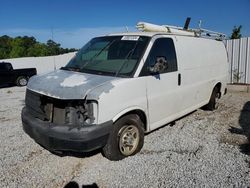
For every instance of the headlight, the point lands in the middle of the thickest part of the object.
(82, 114)
(92, 112)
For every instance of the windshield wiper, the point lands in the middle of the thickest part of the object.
(71, 69)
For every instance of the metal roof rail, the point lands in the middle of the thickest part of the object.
(210, 34)
(200, 32)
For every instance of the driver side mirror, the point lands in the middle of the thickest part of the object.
(160, 65)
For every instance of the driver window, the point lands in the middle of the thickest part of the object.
(162, 57)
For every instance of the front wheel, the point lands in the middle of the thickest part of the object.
(126, 139)
(22, 81)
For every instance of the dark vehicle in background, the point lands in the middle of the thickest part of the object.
(18, 77)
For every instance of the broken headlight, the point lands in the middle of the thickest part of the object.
(82, 114)
(72, 112)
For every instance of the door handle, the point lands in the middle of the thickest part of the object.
(179, 79)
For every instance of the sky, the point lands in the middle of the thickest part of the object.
(73, 22)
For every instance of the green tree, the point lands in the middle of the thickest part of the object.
(53, 47)
(28, 46)
(236, 32)
(5, 46)
(37, 50)
(17, 51)
(28, 42)
(17, 48)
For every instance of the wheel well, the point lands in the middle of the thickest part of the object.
(218, 85)
(141, 115)
(20, 76)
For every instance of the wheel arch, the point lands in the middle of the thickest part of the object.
(218, 85)
(134, 110)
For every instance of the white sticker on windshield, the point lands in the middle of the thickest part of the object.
(127, 37)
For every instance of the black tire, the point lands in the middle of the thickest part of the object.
(213, 105)
(121, 142)
(21, 81)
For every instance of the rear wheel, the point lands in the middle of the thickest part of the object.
(213, 102)
(22, 81)
(126, 139)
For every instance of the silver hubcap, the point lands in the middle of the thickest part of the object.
(129, 140)
(23, 82)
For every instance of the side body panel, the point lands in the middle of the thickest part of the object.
(24, 72)
(202, 63)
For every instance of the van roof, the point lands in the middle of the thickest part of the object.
(151, 34)
(140, 33)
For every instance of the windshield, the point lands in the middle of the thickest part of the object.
(111, 55)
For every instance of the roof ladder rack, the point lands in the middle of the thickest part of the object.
(200, 32)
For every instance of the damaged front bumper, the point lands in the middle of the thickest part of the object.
(64, 137)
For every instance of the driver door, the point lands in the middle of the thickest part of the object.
(163, 86)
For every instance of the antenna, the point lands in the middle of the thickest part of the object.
(126, 27)
(200, 24)
(52, 36)
(187, 23)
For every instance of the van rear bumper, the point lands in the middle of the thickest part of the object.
(64, 137)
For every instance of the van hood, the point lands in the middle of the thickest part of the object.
(64, 84)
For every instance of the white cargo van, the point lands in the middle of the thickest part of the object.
(119, 87)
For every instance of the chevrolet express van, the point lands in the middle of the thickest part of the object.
(119, 87)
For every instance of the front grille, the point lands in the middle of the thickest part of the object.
(33, 102)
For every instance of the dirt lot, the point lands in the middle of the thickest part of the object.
(202, 149)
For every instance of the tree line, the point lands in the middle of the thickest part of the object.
(29, 47)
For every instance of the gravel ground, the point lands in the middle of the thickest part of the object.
(202, 149)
